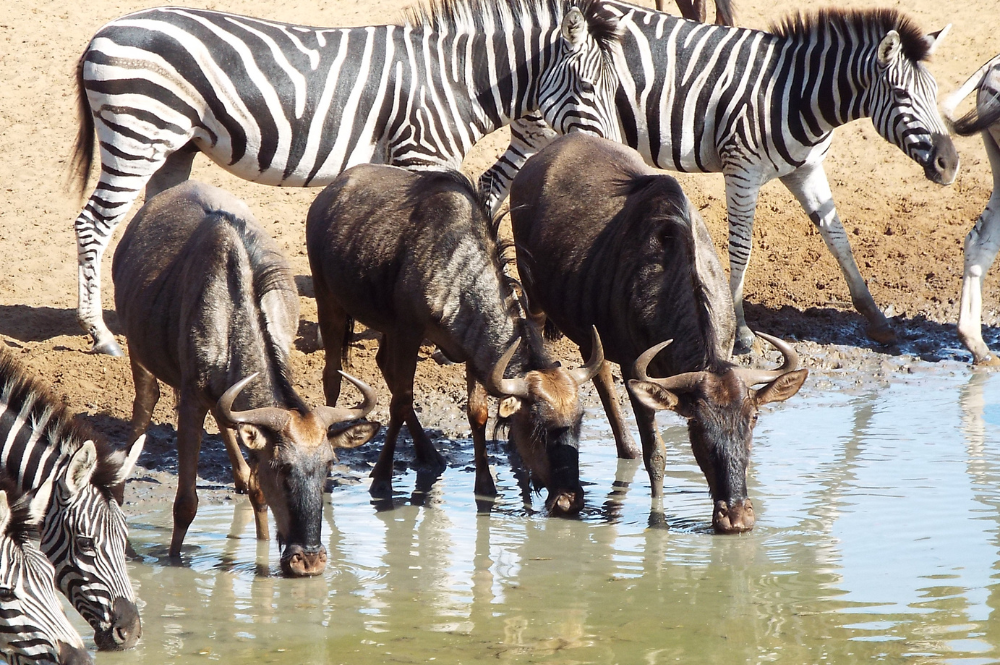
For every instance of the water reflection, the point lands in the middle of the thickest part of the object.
(877, 538)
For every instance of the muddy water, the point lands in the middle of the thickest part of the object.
(877, 539)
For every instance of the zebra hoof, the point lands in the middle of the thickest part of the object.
(744, 340)
(108, 348)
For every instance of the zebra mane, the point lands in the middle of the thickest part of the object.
(474, 15)
(61, 430)
(857, 22)
(19, 528)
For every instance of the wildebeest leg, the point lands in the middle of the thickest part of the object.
(477, 409)
(241, 470)
(654, 452)
(810, 187)
(981, 246)
(333, 331)
(175, 170)
(147, 394)
(693, 10)
(609, 398)
(190, 419)
(256, 496)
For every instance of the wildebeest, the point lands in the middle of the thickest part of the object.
(84, 533)
(983, 241)
(33, 626)
(694, 10)
(208, 303)
(413, 256)
(605, 241)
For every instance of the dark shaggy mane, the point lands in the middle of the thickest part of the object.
(471, 15)
(857, 22)
(61, 429)
(18, 529)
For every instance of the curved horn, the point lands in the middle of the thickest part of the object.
(587, 372)
(752, 376)
(677, 383)
(329, 415)
(271, 417)
(501, 386)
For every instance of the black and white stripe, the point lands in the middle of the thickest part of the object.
(33, 626)
(84, 533)
(757, 106)
(293, 105)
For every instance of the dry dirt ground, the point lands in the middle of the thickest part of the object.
(906, 232)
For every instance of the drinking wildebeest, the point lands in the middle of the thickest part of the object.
(413, 255)
(604, 240)
(208, 303)
(33, 626)
(84, 532)
(983, 241)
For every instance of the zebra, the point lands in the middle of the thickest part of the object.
(33, 626)
(84, 533)
(292, 105)
(983, 241)
(757, 106)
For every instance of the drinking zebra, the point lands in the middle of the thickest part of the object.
(983, 241)
(33, 626)
(84, 533)
(292, 105)
(757, 106)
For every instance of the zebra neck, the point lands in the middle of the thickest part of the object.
(36, 437)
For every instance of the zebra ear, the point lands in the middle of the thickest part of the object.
(81, 468)
(889, 48)
(934, 39)
(4, 512)
(574, 28)
(129, 464)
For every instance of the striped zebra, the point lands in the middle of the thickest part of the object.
(84, 533)
(294, 106)
(757, 106)
(983, 241)
(33, 626)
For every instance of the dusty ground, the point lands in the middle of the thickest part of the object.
(906, 232)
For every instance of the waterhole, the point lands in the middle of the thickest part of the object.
(876, 539)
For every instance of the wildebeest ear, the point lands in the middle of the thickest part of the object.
(508, 407)
(355, 435)
(653, 395)
(251, 437)
(783, 387)
(81, 468)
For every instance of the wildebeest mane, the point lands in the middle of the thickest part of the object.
(857, 22)
(270, 273)
(457, 16)
(18, 389)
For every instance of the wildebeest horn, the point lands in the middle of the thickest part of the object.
(753, 377)
(329, 415)
(499, 385)
(677, 383)
(583, 374)
(271, 417)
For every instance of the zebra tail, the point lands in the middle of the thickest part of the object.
(975, 121)
(724, 13)
(954, 99)
(83, 152)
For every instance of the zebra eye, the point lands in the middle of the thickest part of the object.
(85, 543)
(7, 594)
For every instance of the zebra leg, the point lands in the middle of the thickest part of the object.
(147, 394)
(811, 188)
(477, 408)
(742, 190)
(981, 246)
(528, 135)
(609, 398)
(190, 419)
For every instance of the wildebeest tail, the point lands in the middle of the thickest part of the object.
(724, 12)
(83, 151)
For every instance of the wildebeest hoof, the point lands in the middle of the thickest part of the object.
(108, 348)
(882, 332)
(381, 489)
(744, 340)
(486, 486)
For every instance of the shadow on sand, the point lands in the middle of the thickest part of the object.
(37, 324)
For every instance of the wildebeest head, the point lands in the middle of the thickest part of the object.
(545, 415)
(291, 454)
(722, 409)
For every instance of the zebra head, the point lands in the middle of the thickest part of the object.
(903, 102)
(85, 537)
(33, 626)
(577, 92)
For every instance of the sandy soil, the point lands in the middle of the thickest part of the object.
(906, 232)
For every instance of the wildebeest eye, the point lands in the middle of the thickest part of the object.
(85, 544)
(7, 594)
